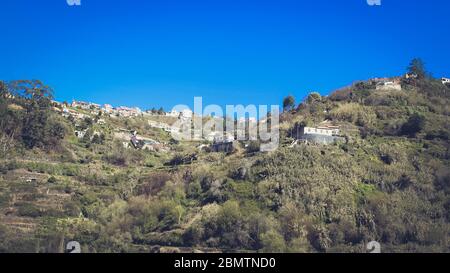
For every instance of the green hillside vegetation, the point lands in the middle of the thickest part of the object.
(388, 181)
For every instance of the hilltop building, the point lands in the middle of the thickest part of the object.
(325, 133)
(387, 84)
(80, 104)
(107, 108)
(186, 114)
(411, 76)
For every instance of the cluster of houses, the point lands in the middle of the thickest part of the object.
(325, 133)
(127, 112)
(66, 112)
(121, 111)
(85, 105)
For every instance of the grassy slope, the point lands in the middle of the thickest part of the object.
(376, 186)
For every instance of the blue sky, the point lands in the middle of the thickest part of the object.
(165, 52)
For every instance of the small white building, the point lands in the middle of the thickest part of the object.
(389, 85)
(317, 131)
(445, 81)
(94, 105)
(319, 135)
(81, 104)
(108, 108)
(220, 138)
(186, 113)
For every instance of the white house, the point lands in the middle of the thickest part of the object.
(186, 113)
(445, 81)
(317, 131)
(94, 105)
(220, 138)
(389, 85)
(108, 108)
(80, 104)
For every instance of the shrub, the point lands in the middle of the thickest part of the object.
(288, 103)
(4, 199)
(52, 180)
(273, 242)
(414, 125)
(153, 183)
(314, 97)
(29, 210)
(116, 158)
(180, 159)
(253, 147)
(347, 112)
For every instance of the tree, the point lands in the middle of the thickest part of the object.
(10, 122)
(417, 67)
(40, 129)
(313, 97)
(288, 103)
(3, 89)
(161, 111)
(273, 242)
(37, 126)
(34, 127)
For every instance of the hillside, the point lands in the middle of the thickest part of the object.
(387, 180)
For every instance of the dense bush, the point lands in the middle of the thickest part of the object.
(152, 184)
(29, 210)
(414, 125)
